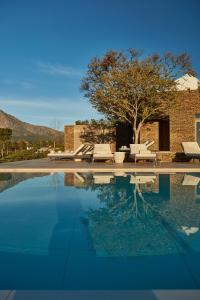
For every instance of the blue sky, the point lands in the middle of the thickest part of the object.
(45, 47)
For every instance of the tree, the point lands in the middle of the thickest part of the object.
(5, 136)
(132, 88)
(97, 131)
(80, 122)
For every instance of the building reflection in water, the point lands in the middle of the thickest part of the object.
(141, 214)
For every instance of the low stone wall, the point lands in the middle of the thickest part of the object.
(166, 156)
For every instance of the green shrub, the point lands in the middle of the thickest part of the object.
(23, 155)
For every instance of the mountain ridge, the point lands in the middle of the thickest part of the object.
(25, 131)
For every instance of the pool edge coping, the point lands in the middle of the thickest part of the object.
(101, 170)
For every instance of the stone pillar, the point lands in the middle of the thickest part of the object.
(182, 119)
(69, 137)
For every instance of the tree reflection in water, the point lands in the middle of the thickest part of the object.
(122, 198)
(129, 221)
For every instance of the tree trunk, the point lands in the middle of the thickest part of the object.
(136, 131)
(7, 147)
(136, 135)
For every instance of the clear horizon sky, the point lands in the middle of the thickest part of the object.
(45, 46)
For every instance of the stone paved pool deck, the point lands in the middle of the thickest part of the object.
(45, 165)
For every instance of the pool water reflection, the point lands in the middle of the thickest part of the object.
(99, 231)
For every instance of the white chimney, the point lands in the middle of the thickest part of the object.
(187, 82)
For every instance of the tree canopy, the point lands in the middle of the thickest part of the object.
(133, 88)
(5, 134)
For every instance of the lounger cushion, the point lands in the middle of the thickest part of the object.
(142, 147)
(191, 180)
(139, 148)
(135, 148)
(191, 148)
(102, 149)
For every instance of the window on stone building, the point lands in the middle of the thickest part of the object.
(197, 128)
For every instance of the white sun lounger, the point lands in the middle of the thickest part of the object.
(149, 143)
(142, 179)
(82, 149)
(191, 149)
(140, 151)
(138, 148)
(102, 152)
(79, 177)
(189, 230)
(190, 180)
(102, 178)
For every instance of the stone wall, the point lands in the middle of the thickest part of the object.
(182, 119)
(69, 137)
(73, 138)
(150, 131)
(70, 179)
(182, 122)
(78, 129)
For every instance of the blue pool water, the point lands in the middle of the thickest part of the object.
(99, 231)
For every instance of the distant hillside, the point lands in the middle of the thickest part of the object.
(25, 131)
(8, 180)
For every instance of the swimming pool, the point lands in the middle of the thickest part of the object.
(84, 231)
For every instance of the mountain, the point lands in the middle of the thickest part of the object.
(25, 131)
(8, 180)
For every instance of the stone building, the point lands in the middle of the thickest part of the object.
(181, 125)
